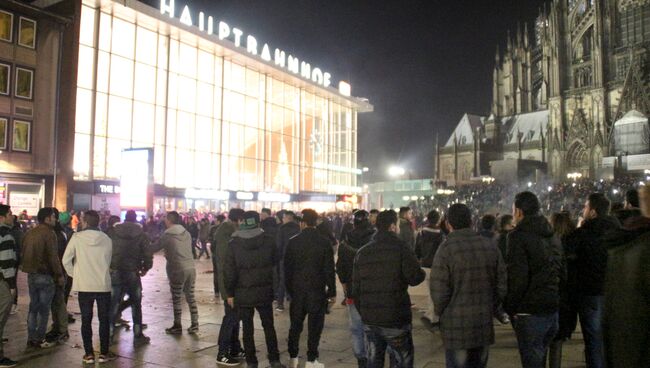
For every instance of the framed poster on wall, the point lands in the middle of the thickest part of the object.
(21, 141)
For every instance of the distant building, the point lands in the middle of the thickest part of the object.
(557, 96)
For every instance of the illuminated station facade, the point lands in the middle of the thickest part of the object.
(229, 120)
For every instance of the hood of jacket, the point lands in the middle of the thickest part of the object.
(128, 230)
(175, 230)
(601, 224)
(361, 236)
(248, 233)
(251, 239)
(91, 237)
(537, 225)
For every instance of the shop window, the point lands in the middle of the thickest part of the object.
(22, 135)
(123, 38)
(5, 77)
(27, 32)
(121, 77)
(87, 27)
(6, 26)
(4, 123)
(24, 84)
(147, 43)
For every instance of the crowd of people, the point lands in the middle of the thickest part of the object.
(542, 267)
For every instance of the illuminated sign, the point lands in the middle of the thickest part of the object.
(220, 195)
(136, 178)
(245, 196)
(107, 189)
(273, 197)
(225, 32)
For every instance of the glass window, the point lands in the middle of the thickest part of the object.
(234, 106)
(163, 48)
(6, 26)
(185, 130)
(216, 136)
(203, 140)
(235, 77)
(101, 111)
(123, 38)
(143, 123)
(99, 158)
(171, 128)
(205, 99)
(81, 164)
(105, 26)
(145, 79)
(119, 118)
(252, 82)
(218, 71)
(22, 136)
(159, 164)
(85, 67)
(161, 87)
(187, 59)
(4, 126)
(186, 94)
(159, 135)
(87, 27)
(184, 168)
(83, 113)
(24, 83)
(27, 32)
(103, 70)
(252, 112)
(5, 77)
(114, 149)
(121, 77)
(146, 51)
(206, 67)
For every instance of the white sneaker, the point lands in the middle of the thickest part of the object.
(314, 364)
(14, 309)
(294, 362)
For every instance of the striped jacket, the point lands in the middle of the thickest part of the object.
(8, 260)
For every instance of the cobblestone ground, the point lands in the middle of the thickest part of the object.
(200, 350)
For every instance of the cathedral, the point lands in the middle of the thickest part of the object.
(571, 95)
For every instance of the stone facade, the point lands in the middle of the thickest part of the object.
(586, 63)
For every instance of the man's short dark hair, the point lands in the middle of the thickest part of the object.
(459, 216)
(44, 213)
(131, 216)
(504, 220)
(4, 210)
(267, 211)
(433, 217)
(528, 203)
(220, 218)
(309, 217)
(236, 214)
(290, 214)
(488, 222)
(112, 220)
(599, 203)
(632, 197)
(403, 211)
(374, 211)
(385, 219)
(173, 217)
(91, 218)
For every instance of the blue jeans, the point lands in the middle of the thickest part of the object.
(398, 341)
(467, 358)
(534, 335)
(229, 332)
(358, 334)
(41, 293)
(590, 310)
(126, 283)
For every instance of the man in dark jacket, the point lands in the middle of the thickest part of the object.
(406, 232)
(426, 246)
(59, 309)
(534, 270)
(505, 227)
(361, 235)
(8, 270)
(229, 345)
(382, 297)
(130, 261)
(590, 262)
(626, 319)
(248, 281)
(468, 282)
(287, 230)
(309, 274)
(268, 223)
(487, 227)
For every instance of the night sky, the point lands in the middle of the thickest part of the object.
(422, 64)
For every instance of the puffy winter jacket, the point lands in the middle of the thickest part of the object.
(177, 243)
(426, 245)
(348, 248)
(309, 266)
(220, 241)
(383, 271)
(131, 250)
(535, 267)
(248, 268)
(286, 232)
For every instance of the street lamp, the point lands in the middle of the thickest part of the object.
(396, 171)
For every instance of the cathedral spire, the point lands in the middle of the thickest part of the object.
(526, 35)
(509, 44)
(497, 58)
(518, 36)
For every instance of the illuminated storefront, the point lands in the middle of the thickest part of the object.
(219, 116)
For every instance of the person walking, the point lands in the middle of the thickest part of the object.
(287, 230)
(230, 349)
(382, 297)
(181, 272)
(88, 259)
(626, 317)
(535, 268)
(310, 278)
(130, 261)
(248, 281)
(360, 235)
(468, 283)
(589, 255)
(426, 246)
(8, 265)
(204, 237)
(44, 273)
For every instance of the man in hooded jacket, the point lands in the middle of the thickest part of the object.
(181, 272)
